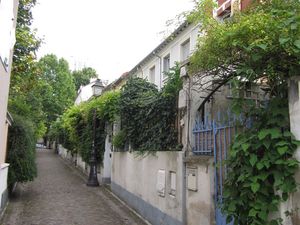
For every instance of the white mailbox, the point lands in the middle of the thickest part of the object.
(161, 182)
(192, 179)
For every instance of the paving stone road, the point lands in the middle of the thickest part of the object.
(59, 196)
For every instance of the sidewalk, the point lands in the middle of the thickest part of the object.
(59, 196)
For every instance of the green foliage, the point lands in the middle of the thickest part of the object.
(75, 129)
(264, 41)
(27, 43)
(260, 45)
(23, 98)
(119, 140)
(57, 86)
(148, 115)
(261, 167)
(24, 102)
(83, 76)
(21, 151)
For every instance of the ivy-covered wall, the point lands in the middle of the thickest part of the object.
(147, 116)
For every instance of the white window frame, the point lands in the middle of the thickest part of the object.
(152, 74)
(185, 50)
(166, 63)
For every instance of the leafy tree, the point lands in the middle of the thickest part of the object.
(56, 86)
(260, 43)
(24, 100)
(82, 77)
(23, 74)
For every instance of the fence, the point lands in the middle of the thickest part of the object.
(214, 138)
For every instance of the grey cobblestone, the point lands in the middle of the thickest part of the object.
(59, 196)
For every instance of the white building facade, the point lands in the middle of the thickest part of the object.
(167, 188)
(8, 18)
(175, 49)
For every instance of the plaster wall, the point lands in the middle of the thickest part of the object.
(107, 161)
(138, 176)
(7, 29)
(294, 112)
(80, 163)
(3, 185)
(200, 201)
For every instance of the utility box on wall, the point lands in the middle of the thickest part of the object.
(161, 182)
(192, 178)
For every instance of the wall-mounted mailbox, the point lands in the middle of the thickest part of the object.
(161, 182)
(172, 183)
(192, 179)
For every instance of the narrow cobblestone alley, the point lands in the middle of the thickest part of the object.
(59, 196)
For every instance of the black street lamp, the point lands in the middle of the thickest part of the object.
(93, 180)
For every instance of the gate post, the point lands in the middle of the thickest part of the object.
(293, 203)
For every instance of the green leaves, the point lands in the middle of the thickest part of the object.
(83, 76)
(148, 115)
(275, 133)
(77, 123)
(297, 43)
(261, 165)
(282, 150)
(21, 151)
(254, 187)
(253, 159)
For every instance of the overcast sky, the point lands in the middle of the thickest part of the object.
(111, 36)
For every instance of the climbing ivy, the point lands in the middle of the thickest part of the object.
(148, 116)
(260, 45)
(75, 129)
(261, 167)
(21, 151)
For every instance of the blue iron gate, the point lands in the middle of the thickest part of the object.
(214, 138)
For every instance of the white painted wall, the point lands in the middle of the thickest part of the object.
(8, 14)
(138, 175)
(107, 160)
(3, 180)
(294, 111)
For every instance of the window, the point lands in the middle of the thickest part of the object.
(152, 74)
(166, 63)
(185, 50)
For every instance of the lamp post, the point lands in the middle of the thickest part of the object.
(93, 180)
